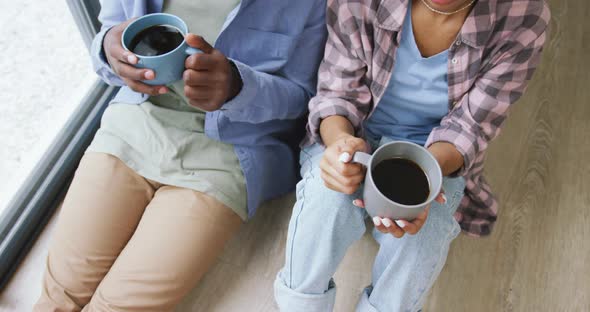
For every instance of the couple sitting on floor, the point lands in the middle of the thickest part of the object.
(174, 170)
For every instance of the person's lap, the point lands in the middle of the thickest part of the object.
(127, 243)
(324, 223)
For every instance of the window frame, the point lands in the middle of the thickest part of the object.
(38, 197)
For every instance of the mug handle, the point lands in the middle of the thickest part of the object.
(190, 51)
(361, 158)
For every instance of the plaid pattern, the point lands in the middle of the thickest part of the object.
(489, 66)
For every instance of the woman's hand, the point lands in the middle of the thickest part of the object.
(398, 228)
(449, 160)
(122, 62)
(338, 173)
(209, 80)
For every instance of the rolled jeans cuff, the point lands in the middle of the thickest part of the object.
(290, 300)
(364, 305)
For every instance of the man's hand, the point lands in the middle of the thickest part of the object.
(338, 173)
(209, 80)
(122, 62)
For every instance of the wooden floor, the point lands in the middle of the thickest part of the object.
(538, 258)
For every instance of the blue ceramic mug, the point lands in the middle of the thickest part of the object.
(169, 66)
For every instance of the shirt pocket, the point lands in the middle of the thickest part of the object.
(265, 50)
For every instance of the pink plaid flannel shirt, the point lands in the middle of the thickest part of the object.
(489, 65)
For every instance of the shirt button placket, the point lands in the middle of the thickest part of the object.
(454, 61)
(458, 42)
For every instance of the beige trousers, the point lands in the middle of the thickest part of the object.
(125, 243)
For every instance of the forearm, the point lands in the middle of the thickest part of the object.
(264, 97)
(335, 127)
(448, 157)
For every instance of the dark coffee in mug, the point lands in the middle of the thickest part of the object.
(156, 40)
(402, 181)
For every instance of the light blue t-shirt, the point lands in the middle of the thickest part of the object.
(416, 98)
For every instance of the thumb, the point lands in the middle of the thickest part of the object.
(347, 148)
(198, 42)
(345, 157)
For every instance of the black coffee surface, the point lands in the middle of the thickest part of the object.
(402, 181)
(156, 40)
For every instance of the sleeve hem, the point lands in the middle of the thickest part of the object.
(99, 62)
(247, 93)
(468, 151)
(336, 107)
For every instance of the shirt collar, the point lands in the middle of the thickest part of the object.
(391, 13)
(475, 31)
(477, 28)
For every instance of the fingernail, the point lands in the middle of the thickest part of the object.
(131, 58)
(400, 223)
(162, 90)
(444, 197)
(376, 221)
(344, 157)
(149, 75)
(355, 202)
(387, 223)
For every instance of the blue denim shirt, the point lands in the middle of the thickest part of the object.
(277, 46)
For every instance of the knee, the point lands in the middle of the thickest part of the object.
(442, 216)
(316, 203)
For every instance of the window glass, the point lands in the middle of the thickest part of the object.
(45, 71)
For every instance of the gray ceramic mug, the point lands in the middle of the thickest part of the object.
(378, 204)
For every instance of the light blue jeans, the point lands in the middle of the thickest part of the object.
(325, 223)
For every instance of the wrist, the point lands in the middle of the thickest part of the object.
(104, 44)
(236, 82)
(447, 156)
(342, 136)
(335, 128)
(335, 137)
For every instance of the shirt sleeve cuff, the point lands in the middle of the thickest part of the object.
(464, 142)
(99, 62)
(321, 108)
(245, 97)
